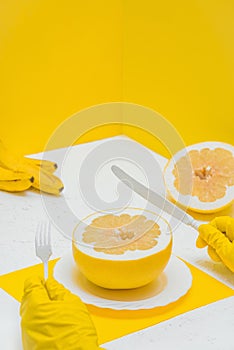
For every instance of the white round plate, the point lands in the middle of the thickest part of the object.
(170, 286)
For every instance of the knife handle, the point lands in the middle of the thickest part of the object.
(191, 222)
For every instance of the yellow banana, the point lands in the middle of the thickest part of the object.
(43, 180)
(46, 165)
(15, 185)
(10, 175)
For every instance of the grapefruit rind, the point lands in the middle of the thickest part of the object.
(132, 269)
(187, 200)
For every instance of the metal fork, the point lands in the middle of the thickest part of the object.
(43, 244)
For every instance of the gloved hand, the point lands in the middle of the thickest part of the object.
(219, 236)
(53, 318)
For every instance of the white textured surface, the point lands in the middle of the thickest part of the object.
(21, 213)
(184, 246)
(207, 328)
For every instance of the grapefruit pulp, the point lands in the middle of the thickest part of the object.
(201, 176)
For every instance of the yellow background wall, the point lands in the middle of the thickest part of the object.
(178, 60)
(57, 57)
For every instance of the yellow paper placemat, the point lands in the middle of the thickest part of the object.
(113, 324)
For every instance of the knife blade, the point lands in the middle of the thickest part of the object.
(154, 198)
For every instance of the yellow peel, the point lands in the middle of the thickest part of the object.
(15, 185)
(133, 249)
(46, 165)
(9, 175)
(43, 180)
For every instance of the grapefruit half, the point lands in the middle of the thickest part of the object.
(122, 251)
(200, 177)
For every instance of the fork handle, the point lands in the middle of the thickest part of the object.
(46, 270)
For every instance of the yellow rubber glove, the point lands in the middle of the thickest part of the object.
(219, 236)
(55, 319)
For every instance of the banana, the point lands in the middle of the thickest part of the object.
(46, 165)
(18, 185)
(10, 175)
(43, 180)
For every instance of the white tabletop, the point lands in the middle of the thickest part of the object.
(206, 327)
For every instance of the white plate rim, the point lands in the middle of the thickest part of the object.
(175, 268)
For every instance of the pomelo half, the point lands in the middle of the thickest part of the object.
(122, 251)
(200, 177)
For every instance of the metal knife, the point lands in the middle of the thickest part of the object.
(155, 198)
